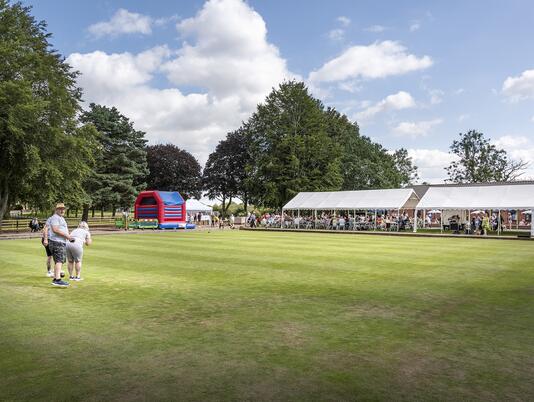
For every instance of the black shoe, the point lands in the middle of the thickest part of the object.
(60, 283)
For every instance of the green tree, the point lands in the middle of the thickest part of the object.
(291, 148)
(219, 178)
(479, 161)
(44, 155)
(365, 164)
(173, 169)
(121, 168)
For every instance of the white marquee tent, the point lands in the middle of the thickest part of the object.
(193, 206)
(403, 198)
(502, 197)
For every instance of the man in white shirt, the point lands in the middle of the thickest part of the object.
(57, 243)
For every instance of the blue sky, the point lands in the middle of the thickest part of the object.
(413, 74)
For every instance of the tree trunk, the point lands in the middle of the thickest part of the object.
(85, 213)
(93, 212)
(113, 210)
(245, 202)
(4, 198)
(102, 212)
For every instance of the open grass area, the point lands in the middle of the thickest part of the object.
(271, 316)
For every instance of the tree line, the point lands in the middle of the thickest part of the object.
(51, 149)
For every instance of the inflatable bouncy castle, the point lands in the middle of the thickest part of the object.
(168, 207)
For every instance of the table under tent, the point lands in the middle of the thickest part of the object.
(463, 202)
(364, 208)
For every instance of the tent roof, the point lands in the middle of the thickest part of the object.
(196, 206)
(485, 197)
(362, 199)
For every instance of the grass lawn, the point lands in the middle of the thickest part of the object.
(271, 316)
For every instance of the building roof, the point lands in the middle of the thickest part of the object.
(483, 196)
(361, 199)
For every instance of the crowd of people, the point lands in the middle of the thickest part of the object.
(62, 245)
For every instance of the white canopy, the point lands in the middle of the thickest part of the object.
(193, 206)
(348, 200)
(513, 196)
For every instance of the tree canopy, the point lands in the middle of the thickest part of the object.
(44, 155)
(479, 161)
(121, 167)
(173, 169)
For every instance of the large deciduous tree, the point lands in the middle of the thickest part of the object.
(479, 161)
(121, 168)
(365, 164)
(290, 147)
(218, 176)
(173, 169)
(44, 155)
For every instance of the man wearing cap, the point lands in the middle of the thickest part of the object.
(57, 242)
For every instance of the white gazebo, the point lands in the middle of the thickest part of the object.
(193, 206)
(482, 197)
(367, 200)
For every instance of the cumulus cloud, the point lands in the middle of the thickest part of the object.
(416, 129)
(378, 60)
(123, 22)
(226, 63)
(431, 164)
(519, 88)
(229, 54)
(398, 101)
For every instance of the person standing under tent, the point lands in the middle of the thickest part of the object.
(79, 237)
(57, 242)
(485, 224)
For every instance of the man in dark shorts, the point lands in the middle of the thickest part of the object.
(57, 243)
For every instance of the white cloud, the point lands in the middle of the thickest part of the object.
(376, 28)
(229, 53)
(398, 101)
(336, 34)
(508, 142)
(416, 129)
(415, 26)
(463, 117)
(378, 60)
(431, 164)
(518, 147)
(123, 22)
(226, 60)
(519, 88)
(459, 91)
(344, 21)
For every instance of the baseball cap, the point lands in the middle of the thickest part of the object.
(60, 205)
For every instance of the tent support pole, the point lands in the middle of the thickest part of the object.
(415, 221)
(531, 222)
(499, 223)
(441, 220)
(282, 219)
(398, 219)
(375, 221)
